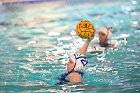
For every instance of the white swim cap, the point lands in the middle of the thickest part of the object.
(107, 31)
(79, 60)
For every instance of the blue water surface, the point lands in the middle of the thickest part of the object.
(36, 40)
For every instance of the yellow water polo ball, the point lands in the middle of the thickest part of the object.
(85, 29)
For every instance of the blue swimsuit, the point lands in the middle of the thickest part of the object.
(62, 77)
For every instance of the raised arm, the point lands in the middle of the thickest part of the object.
(83, 49)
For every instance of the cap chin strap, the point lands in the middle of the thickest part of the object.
(74, 65)
(107, 33)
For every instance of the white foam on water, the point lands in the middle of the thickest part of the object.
(53, 33)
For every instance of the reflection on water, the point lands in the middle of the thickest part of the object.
(36, 40)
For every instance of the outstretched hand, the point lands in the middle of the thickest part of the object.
(89, 39)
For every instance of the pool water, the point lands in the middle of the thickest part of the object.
(36, 40)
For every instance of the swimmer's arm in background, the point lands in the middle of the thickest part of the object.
(83, 49)
(113, 45)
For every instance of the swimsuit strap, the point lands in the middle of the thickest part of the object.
(74, 64)
(62, 79)
(79, 72)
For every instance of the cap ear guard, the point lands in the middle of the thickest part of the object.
(82, 58)
(109, 32)
(79, 60)
(84, 62)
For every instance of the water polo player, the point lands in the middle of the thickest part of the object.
(105, 33)
(75, 65)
